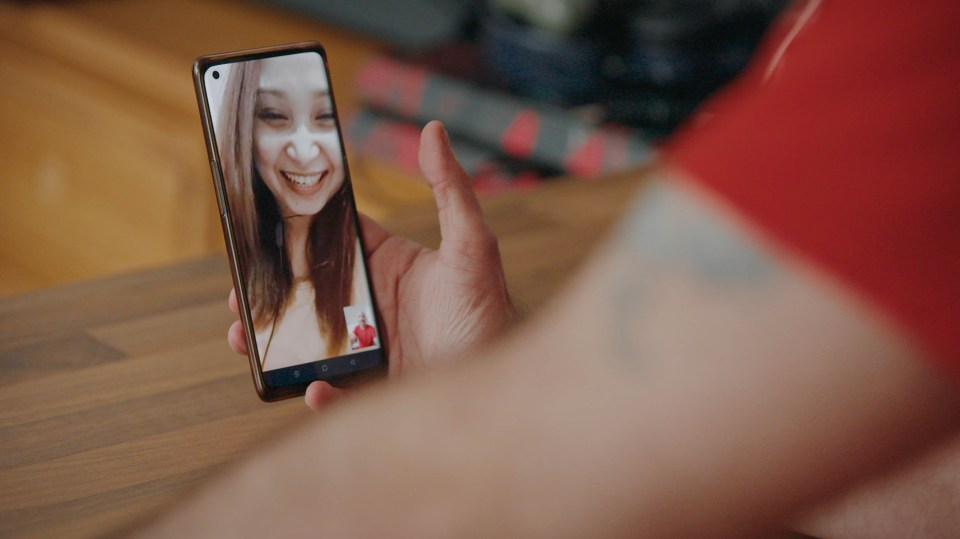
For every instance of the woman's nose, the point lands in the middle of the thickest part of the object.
(303, 145)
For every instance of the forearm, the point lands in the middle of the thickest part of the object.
(675, 390)
(763, 385)
(516, 446)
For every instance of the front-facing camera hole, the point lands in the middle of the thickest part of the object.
(216, 74)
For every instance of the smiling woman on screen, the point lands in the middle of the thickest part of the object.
(289, 195)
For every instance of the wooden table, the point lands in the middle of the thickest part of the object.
(117, 395)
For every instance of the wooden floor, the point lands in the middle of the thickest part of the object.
(105, 167)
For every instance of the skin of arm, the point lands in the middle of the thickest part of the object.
(692, 381)
(921, 500)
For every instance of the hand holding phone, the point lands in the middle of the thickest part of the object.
(288, 215)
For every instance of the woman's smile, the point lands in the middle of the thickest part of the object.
(302, 182)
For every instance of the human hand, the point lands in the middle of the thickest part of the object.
(435, 305)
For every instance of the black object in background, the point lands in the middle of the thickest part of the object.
(648, 63)
(560, 69)
(674, 53)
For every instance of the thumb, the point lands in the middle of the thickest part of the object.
(460, 215)
(320, 394)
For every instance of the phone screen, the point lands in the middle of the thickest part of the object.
(290, 219)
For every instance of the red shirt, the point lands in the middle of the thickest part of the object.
(365, 335)
(842, 141)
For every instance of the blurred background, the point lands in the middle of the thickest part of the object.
(105, 169)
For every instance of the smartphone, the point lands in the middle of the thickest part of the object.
(289, 218)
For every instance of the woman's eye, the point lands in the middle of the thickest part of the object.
(271, 116)
(325, 119)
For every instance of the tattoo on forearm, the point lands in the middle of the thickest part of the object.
(670, 234)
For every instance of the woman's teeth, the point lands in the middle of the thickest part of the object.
(303, 180)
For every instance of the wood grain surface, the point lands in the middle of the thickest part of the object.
(118, 395)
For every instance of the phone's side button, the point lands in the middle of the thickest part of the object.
(218, 185)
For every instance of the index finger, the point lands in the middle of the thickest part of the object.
(232, 301)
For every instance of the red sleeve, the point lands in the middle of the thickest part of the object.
(842, 142)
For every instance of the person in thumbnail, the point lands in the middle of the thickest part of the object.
(363, 334)
(290, 199)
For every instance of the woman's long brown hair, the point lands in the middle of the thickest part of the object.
(256, 217)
